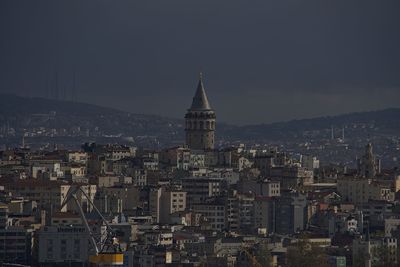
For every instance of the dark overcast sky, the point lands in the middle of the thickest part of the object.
(263, 61)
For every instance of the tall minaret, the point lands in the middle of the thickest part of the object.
(200, 121)
(368, 165)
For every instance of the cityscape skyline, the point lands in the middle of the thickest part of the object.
(114, 153)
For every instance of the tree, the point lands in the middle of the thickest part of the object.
(382, 255)
(305, 254)
(263, 256)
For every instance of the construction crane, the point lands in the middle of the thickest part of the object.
(108, 252)
(252, 258)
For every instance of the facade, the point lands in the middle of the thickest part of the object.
(263, 213)
(360, 190)
(290, 213)
(77, 157)
(260, 188)
(46, 194)
(176, 156)
(171, 201)
(117, 199)
(154, 203)
(200, 121)
(214, 210)
(63, 245)
(309, 162)
(200, 188)
(15, 242)
(90, 191)
(391, 225)
(15, 245)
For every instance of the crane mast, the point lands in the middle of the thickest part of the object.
(107, 250)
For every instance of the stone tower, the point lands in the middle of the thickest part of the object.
(200, 121)
(369, 165)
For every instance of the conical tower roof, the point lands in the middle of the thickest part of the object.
(200, 101)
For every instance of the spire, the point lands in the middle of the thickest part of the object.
(200, 101)
(368, 152)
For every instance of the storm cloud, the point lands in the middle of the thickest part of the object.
(262, 61)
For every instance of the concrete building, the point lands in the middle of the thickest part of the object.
(264, 213)
(197, 159)
(239, 212)
(264, 188)
(200, 121)
(172, 201)
(77, 157)
(15, 245)
(177, 156)
(139, 177)
(63, 246)
(200, 188)
(46, 194)
(391, 225)
(154, 203)
(290, 212)
(214, 210)
(65, 219)
(90, 191)
(343, 223)
(360, 190)
(309, 162)
(3, 215)
(15, 242)
(117, 199)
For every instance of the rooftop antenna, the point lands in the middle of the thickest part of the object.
(47, 88)
(343, 133)
(56, 88)
(73, 95)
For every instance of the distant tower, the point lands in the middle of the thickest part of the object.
(368, 165)
(200, 121)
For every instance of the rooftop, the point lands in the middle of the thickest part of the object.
(200, 100)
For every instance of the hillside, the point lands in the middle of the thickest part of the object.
(381, 122)
(46, 117)
(43, 118)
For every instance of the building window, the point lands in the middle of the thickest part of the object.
(77, 248)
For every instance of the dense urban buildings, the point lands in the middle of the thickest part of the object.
(196, 204)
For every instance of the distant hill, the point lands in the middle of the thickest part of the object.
(29, 114)
(19, 115)
(381, 122)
